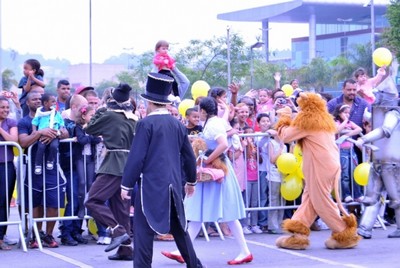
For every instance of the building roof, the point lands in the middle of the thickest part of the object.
(299, 11)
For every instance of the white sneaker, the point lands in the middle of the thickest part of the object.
(107, 240)
(348, 199)
(246, 230)
(377, 224)
(10, 241)
(256, 229)
(100, 240)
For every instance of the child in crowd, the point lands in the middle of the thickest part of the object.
(265, 101)
(242, 114)
(348, 158)
(47, 117)
(141, 111)
(84, 154)
(193, 121)
(274, 177)
(224, 111)
(252, 180)
(251, 119)
(32, 79)
(165, 64)
(365, 85)
(264, 122)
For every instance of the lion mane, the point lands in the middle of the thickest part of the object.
(313, 115)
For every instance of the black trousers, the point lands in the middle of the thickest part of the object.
(144, 235)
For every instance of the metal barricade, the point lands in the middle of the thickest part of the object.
(21, 222)
(62, 178)
(258, 137)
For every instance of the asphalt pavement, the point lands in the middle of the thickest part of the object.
(379, 251)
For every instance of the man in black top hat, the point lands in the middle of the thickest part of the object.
(162, 142)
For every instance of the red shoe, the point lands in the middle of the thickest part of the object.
(174, 257)
(247, 259)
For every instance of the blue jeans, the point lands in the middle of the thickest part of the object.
(71, 227)
(263, 214)
(348, 162)
(7, 184)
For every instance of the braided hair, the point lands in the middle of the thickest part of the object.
(210, 106)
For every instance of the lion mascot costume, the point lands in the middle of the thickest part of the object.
(313, 128)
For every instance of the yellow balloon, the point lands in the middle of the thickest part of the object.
(298, 153)
(286, 163)
(184, 105)
(361, 173)
(15, 194)
(200, 88)
(299, 171)
(291, 187)
(61, 211)
(382, 57)
(15, 151)
(288, 89)
(92, 226)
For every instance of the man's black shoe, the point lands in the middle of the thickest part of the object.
(117, 257)
(68, 241)
(117, 241)
(80, 239)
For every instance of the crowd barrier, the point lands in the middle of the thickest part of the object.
(66, 174)
(5, 196)
(63, 176)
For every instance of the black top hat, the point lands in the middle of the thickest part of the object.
(158, 88)
(121, 93)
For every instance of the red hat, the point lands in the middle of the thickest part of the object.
(81, 89)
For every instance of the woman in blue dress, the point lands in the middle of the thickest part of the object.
(215, 201)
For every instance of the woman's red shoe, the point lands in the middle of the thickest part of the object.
(247, 259)
(174, 257)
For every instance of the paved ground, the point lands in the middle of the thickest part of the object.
(379, 251)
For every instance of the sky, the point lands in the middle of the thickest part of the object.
(60, 28)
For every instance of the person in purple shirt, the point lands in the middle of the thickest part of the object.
(357, 105)
(8, 132)
(350, 98)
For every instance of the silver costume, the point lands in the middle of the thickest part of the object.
(385, 168)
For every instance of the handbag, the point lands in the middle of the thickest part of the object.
(207, 174)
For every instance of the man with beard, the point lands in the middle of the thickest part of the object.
(349, 97)
(357, 107)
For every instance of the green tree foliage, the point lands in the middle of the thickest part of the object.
(8, 79)
(207, 60)
(316, 76)
(391, 35)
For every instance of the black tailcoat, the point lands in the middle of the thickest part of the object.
(159, 146)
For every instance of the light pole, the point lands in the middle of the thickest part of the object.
(256, 45)
(228, 53)
(90, 45)
(371, 4)
(372, 33)
(344, 33)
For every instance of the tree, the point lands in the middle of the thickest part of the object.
(391, 35)
(317, 75)
(8, 80)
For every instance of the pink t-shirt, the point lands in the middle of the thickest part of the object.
(252, 172)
